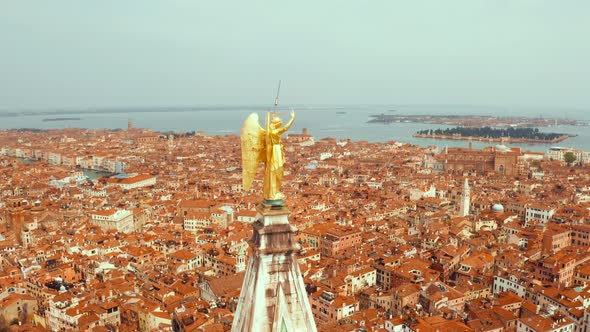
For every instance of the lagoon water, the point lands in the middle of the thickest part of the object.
(332, 121)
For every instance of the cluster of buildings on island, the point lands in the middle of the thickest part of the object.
(393, 237)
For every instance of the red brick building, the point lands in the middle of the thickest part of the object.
(336, 241)
(491, 159)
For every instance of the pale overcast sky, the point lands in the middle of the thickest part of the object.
(125, 53)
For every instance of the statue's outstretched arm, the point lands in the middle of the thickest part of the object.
(288, 125)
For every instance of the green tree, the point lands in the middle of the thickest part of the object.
(569, 157)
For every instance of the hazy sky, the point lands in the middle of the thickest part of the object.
(122, 53)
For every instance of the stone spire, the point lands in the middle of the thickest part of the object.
(465, 200)
(273, 296)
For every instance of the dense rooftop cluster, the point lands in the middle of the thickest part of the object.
(386, 246)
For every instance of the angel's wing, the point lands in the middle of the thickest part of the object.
(253, 149)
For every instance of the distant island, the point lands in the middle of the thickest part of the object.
(503, 135)
(474, 120)
(61, 119)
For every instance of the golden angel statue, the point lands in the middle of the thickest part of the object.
(264, 145)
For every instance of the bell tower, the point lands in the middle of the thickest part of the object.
(465, 200)
(16, 216)
(273, 296)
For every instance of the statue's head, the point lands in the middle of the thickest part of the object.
(276, 121)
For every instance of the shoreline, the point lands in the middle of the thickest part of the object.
(495, 140)
(476, 120)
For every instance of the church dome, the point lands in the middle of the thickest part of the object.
(502, 148)
(497, 208)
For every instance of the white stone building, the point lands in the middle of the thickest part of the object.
(119, 220)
